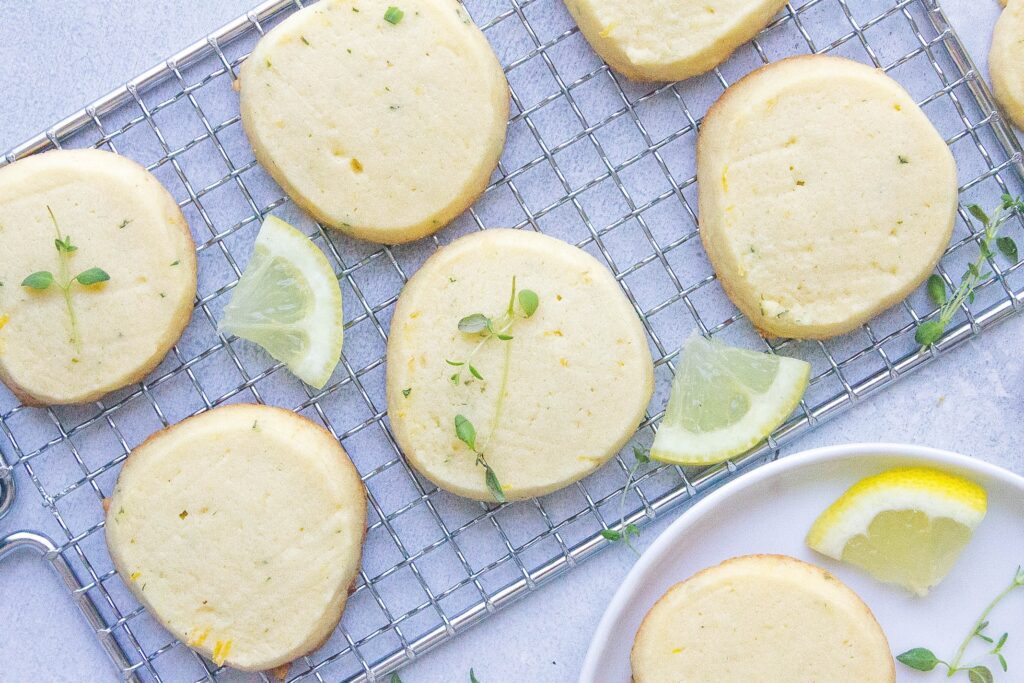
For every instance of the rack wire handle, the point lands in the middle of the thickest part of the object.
(44, 547)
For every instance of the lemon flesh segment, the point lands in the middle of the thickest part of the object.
(905, 526)
(725, 401)
(288, 301)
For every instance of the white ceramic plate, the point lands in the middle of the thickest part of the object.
(769, 511)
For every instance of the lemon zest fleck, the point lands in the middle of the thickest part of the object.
(221, 651)
(4, 319)
(198, 637)
(135, 576)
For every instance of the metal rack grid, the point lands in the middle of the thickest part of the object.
(591, 158)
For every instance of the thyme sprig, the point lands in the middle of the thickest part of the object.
(489, 329)
(44, 279)
(929, 332)
(923, 659)
(642, 456)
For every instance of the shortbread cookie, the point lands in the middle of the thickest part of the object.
(826, 195)
(384, 122)
(241, 530)
(579, 373)
(1006, 62)
(761, 618)
(87, 213)
(669, 40)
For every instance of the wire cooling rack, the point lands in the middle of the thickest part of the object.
(591, 158)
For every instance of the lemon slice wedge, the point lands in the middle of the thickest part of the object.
(905, 526)
(289, 302)
(725, 401)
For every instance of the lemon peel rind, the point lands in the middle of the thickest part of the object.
(936, 494)
(711, 448)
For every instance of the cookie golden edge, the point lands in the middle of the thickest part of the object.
(140, 451)
(397, 350)
(712, 121)
(1009, 30)
(681, 70)
(459, 205)
(782, 560)
(181, 317)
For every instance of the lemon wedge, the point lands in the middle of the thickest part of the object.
(289, 302)
(725, 401)
(905, 526)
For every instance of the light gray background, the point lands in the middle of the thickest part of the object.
(56, 55)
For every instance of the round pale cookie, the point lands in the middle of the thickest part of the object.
(241, 530)
(386, 131)
(826, 195)
(669, 40)
(761, 618)
(1006, 62)
(119, 219)
(579, 377)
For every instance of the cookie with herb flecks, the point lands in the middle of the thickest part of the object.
(241, 529)
(98, 275)
(380, 118)
(516, 366)
(826, 195)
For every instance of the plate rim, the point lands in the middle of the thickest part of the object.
(690, 517)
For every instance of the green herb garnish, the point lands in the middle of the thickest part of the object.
(393, 15)
(1008, 247)
(937, 290)
(466, 432)
(92, 276)
(487, 329)
(923, 659)
(642, 457)
(395, 678)
(903, 159)
(39, 280)
(931, 331)
(44, 279)
(627, 531)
